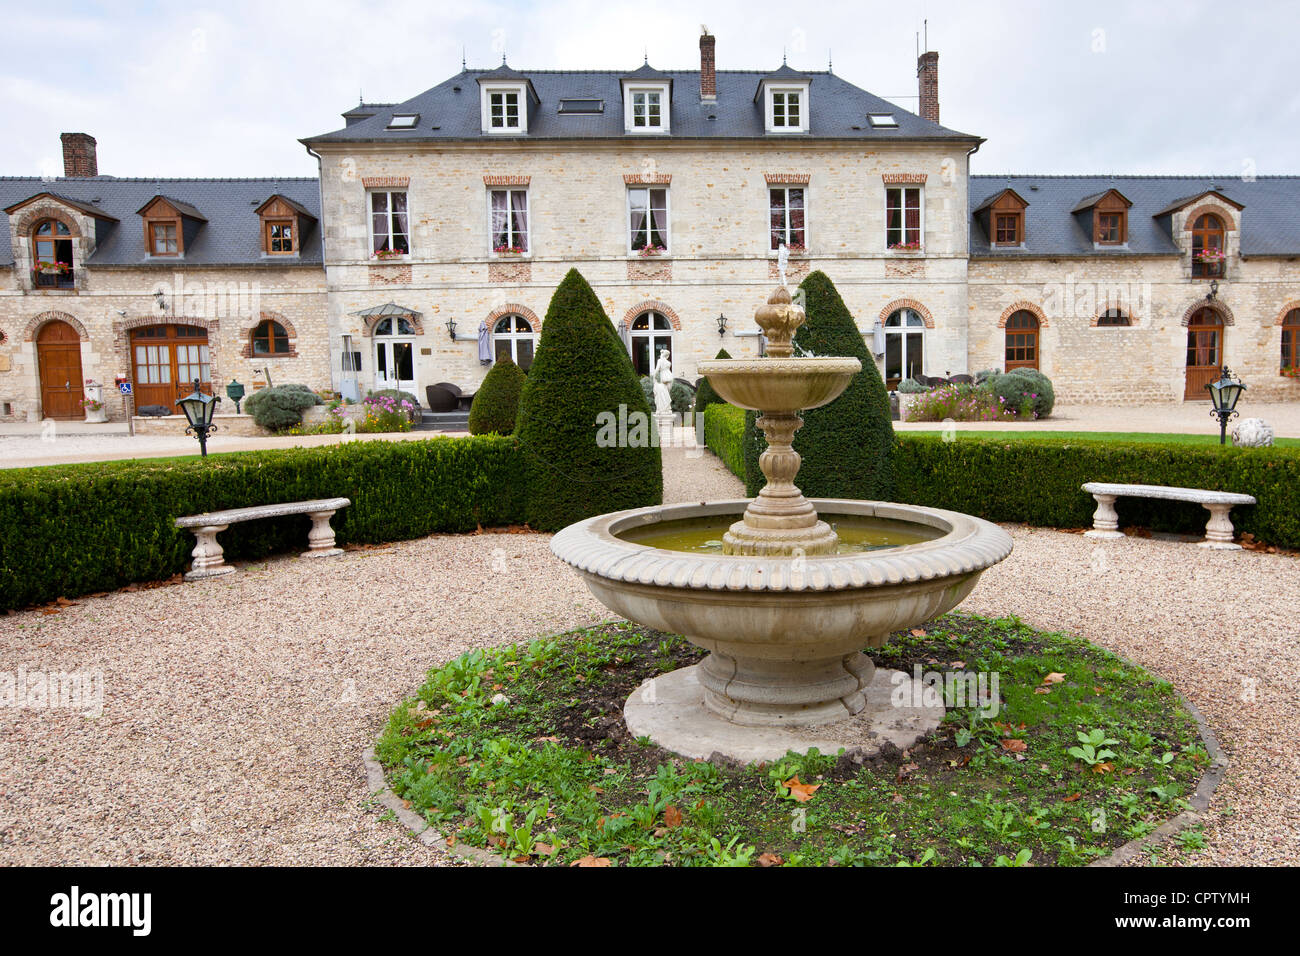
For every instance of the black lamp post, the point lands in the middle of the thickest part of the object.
(199, 409)
(451, 329)
(235, 392)
(1223, 396)
(722, 325)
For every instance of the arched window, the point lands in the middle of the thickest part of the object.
(386, 327)
(1112, 318)
(1291, 340)
(513, 338)
(52, 254)
(270, 338)
(1208, 247)
(1022, 340)
(651, 334)
(904, 346)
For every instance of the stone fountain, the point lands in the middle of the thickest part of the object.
(783, 591)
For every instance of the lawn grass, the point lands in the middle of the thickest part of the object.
(523, 750)
(1165, 438)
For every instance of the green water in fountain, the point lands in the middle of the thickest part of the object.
(857, 534)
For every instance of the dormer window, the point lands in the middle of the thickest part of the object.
(52, 254)
(503, 109)
(169, 226)
(1110, 228)
(505, 98)
(1209, 251)
(787, 109)
(1105, 217)
(283, 224)
(1007, 229)
(646, 108)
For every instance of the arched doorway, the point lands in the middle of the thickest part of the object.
(1022, 340)
(651, 334)
(58, 357)
(1204, 352)
(904, 346)
(166, 360)
(395, 353)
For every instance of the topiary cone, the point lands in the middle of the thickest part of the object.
(584, 423)
(496, 403)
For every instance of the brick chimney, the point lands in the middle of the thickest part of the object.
(708, 67)
(927, 73)
(79, 155)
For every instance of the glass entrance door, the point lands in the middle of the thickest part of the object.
(395, 364)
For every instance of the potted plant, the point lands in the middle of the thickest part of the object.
(508, 250)
(914, 246)
(93, 403)
(387, 253)
(652, 249)
(908, 389)
(53, 268)
(1292, 372)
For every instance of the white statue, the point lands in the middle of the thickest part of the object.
(782, 261)
(663, 377)
(1253, 433)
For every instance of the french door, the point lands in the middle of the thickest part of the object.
(395, 364)
(167, 359)
(1204, 353)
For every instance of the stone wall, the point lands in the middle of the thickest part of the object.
(718, 260)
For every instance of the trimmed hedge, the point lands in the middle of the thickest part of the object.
(280, 407)
(1038, 482)
(581, 376)
(846, 445)
(67, 530)
(496, 403)
(724, 432)
(705, 395)
(1025, 386)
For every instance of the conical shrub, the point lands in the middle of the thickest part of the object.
(496, 403)
(584, 424)
(847, 446)
(705, 395)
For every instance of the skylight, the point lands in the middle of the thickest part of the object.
(882, 120)
(581, 106)
(404, 121)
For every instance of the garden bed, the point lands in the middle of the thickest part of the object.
(522, 750)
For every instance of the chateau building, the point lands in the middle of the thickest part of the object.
(440, 227)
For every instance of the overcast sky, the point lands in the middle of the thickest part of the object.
(182, 90)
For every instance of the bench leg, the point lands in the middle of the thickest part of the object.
(320, 540)
(209, 560)
(1218, 530)
(1105, 520)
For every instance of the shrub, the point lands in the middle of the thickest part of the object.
(724, 435)
(705, 395)
(846, 445)
(496, 403)
(1037, 481)
(680, 396)
(582, 380)
(1025, 391)
(910, 386)
(399, 396)
(281, 406)
(961, 403)
(73, 529)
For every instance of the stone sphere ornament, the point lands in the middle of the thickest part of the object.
(1253, 433)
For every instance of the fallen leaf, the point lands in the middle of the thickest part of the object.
(1015, 746)
(548, 740)
(1072, 797)
(905, 771)
(1042, 690)
(1053, 678)
(769, 859)
(957, 664)
(543, 849)
(520, 859)
(672, 817)
(591, 861)
(595, 789)
(918, 632)
(803, 792)
(1103, 768)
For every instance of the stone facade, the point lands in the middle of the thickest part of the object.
(718, 260)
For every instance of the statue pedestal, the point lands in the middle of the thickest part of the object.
(664, 424)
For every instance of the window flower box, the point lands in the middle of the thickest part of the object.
(647, 252)
(905, 247)
(1211, 255)
(509, 251)
(384, 254)
(1293, 372)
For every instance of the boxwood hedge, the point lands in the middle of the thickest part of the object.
(74, 529)
(1037, 482)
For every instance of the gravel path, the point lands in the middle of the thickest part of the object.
(236, 710)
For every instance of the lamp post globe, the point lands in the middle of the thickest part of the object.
(1224, 395)
(199, 409)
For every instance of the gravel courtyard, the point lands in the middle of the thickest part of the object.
(236, 710)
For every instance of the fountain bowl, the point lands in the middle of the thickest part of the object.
(785, 634)
(780, 384)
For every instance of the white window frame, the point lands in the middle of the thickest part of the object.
(806, 229)
(903, 330)
(629, 117)
(514, 338)
(520, 92)
(769, 99)
(668, 214)
(370, 218)
(903, 187)
(650, 334)
(528, 215)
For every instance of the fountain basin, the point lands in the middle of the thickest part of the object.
(785, 632)
(780, 384)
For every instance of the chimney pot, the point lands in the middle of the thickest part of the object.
(79, 157)
(708, 68)
(927, 73)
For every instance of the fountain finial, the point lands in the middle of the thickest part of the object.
(779, 318)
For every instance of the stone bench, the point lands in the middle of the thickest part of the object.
(208, 558)
(1218, 530)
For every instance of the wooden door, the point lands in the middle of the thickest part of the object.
(58, 355)
(166, 359)
(1204, 353)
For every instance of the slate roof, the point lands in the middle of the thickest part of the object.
(230, 236)
(1270, 216)
(838, 111)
